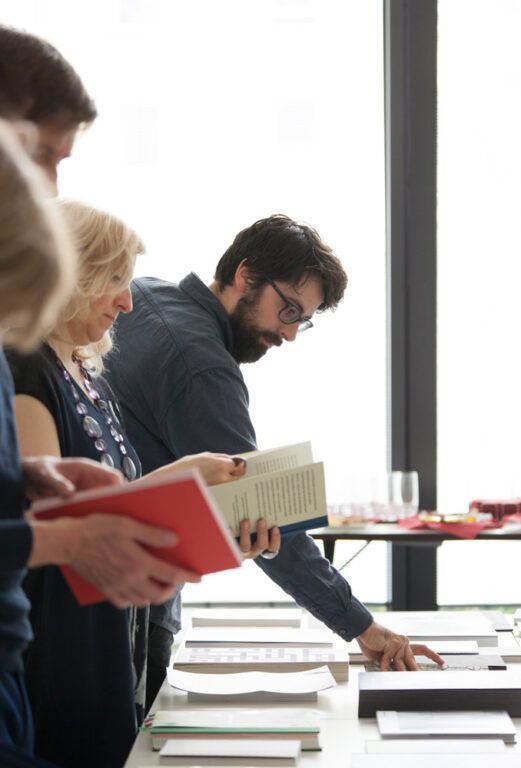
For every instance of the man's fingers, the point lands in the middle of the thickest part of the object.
(146, 590)
(244, 537)
(423, 650)
(166, 573)
(392, 652)
(56, 482)
(410, 661)
(164, 594)
(274, 543)
(262, 540)
(148, 534)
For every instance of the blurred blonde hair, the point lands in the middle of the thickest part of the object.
(37, 258)
(106, 247)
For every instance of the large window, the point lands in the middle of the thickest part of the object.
(479, 271)
(218, 112)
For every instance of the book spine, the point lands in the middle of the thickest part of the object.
(299, 527)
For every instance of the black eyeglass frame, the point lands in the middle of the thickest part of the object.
(294, 315)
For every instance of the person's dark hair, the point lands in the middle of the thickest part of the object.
(279, 248)
(38, 84)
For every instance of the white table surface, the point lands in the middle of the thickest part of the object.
(342, 733)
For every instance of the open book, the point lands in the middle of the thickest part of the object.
(283, 485)
(180, 504)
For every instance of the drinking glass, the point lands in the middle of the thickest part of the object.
(404, 493)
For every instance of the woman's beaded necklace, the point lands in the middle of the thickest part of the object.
(90, 425)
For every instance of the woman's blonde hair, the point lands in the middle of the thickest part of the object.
(37, 258)
(107, 247)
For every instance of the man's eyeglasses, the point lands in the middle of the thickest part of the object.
(290, 312)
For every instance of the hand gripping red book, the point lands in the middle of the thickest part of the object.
(180, 504)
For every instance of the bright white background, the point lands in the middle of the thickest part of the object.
(479, 327)
(214, 113)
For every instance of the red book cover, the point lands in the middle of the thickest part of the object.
(180, 504)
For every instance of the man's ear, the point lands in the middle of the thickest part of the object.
(242, 279)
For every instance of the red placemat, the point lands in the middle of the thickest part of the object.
(460, 530)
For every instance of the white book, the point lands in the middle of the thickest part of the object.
(294, 499)
(473, 760)
(435, 746)
(425, 626)
(278, 459)
(254, 636)
(475, 724)
(290, 683)
(245, 752)
(263, 659)
(248, 617)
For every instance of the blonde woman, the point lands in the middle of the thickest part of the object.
(64, 407)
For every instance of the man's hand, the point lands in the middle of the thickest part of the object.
(393, 651)
(50, 476)
(266, 540)
(108, 551)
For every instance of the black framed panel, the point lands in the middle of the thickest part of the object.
(410, 95)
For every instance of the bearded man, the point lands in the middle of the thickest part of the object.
(176, 374)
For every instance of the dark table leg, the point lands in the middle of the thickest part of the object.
(412, 576)
(329, 548)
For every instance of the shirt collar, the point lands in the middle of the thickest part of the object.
(200, 293)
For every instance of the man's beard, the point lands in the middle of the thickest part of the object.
(248, 341)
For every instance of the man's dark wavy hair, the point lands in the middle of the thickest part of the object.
(279, 248)
(38, 84)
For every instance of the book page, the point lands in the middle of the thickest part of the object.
(282, 498)
(278, 459)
